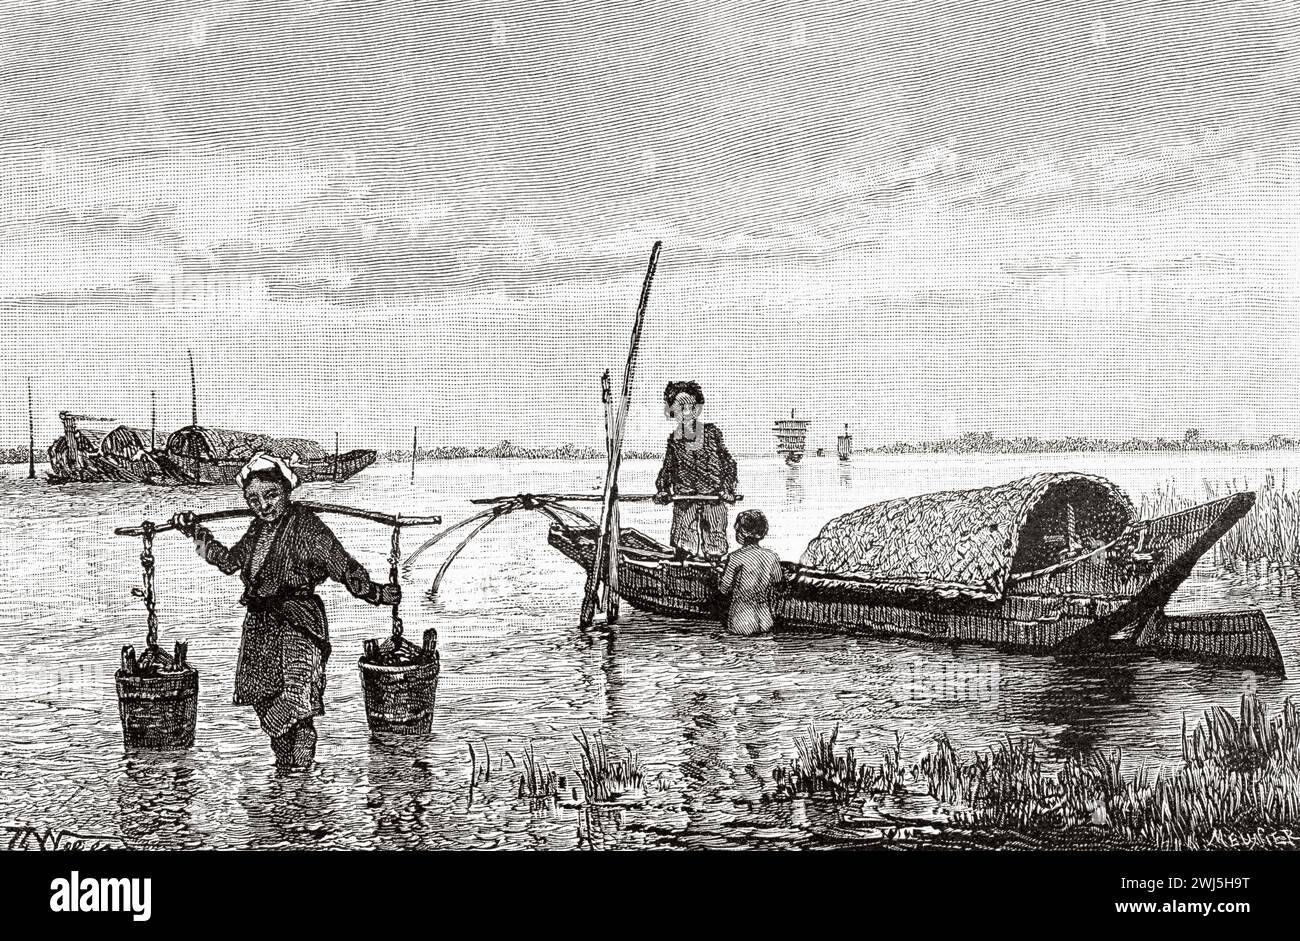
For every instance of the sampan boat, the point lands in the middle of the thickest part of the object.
(1054, 563)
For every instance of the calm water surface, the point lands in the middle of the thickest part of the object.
(709, 715)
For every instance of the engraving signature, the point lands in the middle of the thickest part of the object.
(54, 838)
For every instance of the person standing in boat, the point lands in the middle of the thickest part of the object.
(696, 463)
(286, 552)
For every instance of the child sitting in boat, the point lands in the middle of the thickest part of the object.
(696, 464)
(750, 577)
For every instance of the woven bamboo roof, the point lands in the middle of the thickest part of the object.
(124, 441)
(965, 542)
(222, 443)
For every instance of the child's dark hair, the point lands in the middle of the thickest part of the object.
(270, 475)
(751, 526)
(677, 388)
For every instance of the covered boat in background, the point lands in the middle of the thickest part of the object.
(85, 455)
(190, 455)
(216, 455)
(1053, 563)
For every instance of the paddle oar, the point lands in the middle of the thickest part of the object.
(317, 507)
(611, 475)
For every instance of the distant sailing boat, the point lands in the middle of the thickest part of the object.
(845, 444)
(790, 435)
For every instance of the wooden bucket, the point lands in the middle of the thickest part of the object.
(159, 707)
(400, 696)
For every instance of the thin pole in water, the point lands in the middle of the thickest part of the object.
(153, 420)
(601, 561)
(31, 435)
(610, 576)
(415, 437)
(194, 419)
(336, 455)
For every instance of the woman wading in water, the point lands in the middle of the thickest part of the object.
(286, 552)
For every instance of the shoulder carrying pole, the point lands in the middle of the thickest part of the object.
(244, 513)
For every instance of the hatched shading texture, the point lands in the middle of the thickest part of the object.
(963, 542)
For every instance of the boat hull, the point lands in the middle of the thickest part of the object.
(1099, 601)
(172, 470)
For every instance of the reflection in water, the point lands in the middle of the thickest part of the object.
(1081, 699)
(398, 797)
(155, 791)
(794, 492)
(600, 827)
(846, 475)
(294, 810)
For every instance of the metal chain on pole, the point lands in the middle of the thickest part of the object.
(146, 562)
(394, 558)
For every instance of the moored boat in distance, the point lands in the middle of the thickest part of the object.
(190, 455)
(844, 444)
(791, 434)
(1054, 563)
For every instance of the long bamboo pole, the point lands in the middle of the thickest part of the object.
(194, 420)
(611, 476)
(622, 497)
(610, 594)
(31, 435)
(244, 512)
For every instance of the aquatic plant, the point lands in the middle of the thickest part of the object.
(819, 770)
(1269, 532)
(949, 781)
(1239, 784)
(1240, 776)
(538, 781)
(603, 776)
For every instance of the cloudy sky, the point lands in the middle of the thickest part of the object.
(920, 218)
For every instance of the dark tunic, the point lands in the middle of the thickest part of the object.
(708, 469)
(285, 645)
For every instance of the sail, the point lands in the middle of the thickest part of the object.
(790, 434)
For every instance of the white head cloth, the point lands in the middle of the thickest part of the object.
(262, 461)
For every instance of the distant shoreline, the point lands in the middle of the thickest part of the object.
(988, 443)
(985, 443)
(507, 451)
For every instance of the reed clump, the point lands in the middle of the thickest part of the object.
(538, 781)
(605, 776)
(1239, 778)
(820, 770)
(1269, 532)
(1240, 774)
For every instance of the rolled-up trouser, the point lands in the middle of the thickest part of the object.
(303, 694)
(688, 521)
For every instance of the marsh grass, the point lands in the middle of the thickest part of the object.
(819, 769)
(606, 777)
(538, 781)
(1240, 776)
(1269, 533)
